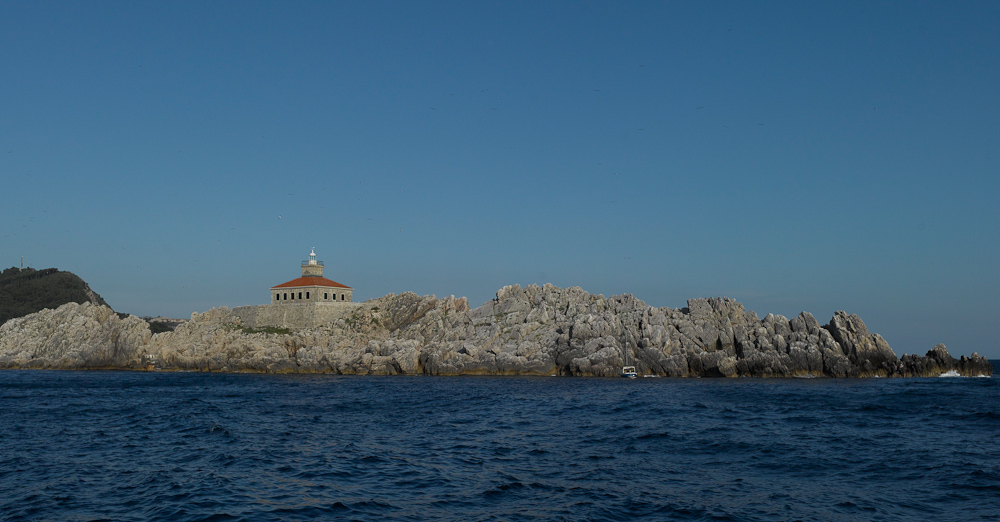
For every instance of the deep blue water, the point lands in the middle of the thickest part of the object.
(191, 446)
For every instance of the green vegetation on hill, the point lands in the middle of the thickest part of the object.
(25, 290)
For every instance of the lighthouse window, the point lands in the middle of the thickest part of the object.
(342, 298)
(300, 295)
(286, 297)
(307, 295)
(326, 296)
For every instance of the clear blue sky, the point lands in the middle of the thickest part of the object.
(815, 156)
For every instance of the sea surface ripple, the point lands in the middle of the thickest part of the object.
(235, 447)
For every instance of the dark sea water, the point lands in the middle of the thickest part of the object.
(192, 446)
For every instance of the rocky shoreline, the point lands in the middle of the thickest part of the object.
(536, 330)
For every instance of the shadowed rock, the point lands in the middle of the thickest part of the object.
(938, 362)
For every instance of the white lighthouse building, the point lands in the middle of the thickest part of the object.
(312, 287)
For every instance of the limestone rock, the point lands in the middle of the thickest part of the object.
(532, 330)
(938, 362)
(73, 336)
(869, 353)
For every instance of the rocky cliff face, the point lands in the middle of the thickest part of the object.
(537, 330)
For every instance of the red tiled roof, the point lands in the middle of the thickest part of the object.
(311, 281)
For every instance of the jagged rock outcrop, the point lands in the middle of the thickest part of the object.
(535, 330)
(73, 336)
(938, 362)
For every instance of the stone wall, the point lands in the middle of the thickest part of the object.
(298, 315)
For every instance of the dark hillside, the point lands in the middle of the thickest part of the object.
(25, 290)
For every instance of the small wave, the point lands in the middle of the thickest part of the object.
(513, 486)
(503, 488)
(954, 373)
(219, 517)
(218, 428)
(855, 507)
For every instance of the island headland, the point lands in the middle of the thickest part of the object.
(26, 290)
(534, 330)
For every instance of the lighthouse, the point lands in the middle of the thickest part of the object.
(312, 268)
(312, 287)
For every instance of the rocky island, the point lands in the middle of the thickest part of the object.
(535, 330)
